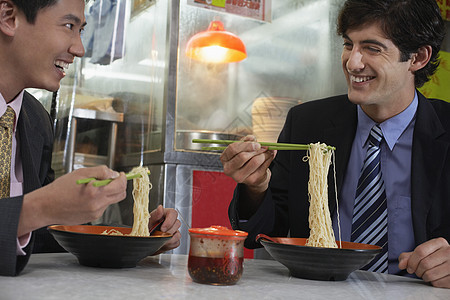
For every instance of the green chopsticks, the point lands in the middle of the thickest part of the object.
(98, 183)
(271, 146)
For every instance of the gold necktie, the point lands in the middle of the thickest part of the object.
(6, 131)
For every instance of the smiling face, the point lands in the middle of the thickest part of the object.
(376, 78)
(43, 50)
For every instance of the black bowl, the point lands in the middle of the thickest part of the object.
(94, 249)
(318, 263)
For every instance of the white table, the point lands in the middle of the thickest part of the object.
(59, 276)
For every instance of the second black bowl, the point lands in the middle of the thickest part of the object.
(318, 263)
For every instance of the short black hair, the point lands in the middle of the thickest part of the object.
(31, 7)
(410, 24)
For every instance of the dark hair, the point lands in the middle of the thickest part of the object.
(31, 7)
(409, 24)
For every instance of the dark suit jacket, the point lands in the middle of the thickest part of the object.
(333, 121)
(35, 136)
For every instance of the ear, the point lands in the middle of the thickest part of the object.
(421, 58)
(8, 16)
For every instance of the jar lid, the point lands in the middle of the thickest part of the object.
(218, 230)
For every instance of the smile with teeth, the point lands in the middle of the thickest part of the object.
(61, 64)
(360, 78)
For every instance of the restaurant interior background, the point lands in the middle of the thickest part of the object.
(137, 99)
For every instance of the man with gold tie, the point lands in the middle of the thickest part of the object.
(38, 42)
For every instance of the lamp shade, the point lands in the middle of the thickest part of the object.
(216, 45)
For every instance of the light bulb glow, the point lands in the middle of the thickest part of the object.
(216, 45)
(212, 54)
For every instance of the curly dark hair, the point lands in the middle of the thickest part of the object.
(409, 24)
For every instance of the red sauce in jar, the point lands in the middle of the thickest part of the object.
(220, 271)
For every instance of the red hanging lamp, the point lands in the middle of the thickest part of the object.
(215, 45)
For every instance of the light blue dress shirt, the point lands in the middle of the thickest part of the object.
(396, 169)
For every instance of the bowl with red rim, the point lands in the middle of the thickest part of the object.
(95, 249)
(317, 263)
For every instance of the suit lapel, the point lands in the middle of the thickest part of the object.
(428, 155)
(341, 134)
(31, 144)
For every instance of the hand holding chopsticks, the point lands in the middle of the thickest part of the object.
(271, 146)
(98, 183)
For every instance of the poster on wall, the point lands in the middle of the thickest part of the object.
(438, 86)
(444, 6)
(256, 9)
(140, 5)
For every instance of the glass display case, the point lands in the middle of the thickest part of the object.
(292, 59)
(122, 74)
(137, 99)
(135, 73)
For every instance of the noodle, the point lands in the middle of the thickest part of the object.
(141, 189)
(112, 231)
(321, 231)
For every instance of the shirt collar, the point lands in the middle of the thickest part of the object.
(15, 104)
(392, 128)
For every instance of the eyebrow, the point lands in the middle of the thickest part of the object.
(375, 42)
(75, 19)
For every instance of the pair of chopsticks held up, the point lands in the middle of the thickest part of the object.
(271, 146)
(98, 183)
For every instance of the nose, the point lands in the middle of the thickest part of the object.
(354, 60)
(77, 48)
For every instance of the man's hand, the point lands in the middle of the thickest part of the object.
(429, 261)
(66, 202)
(170, 225)
(247, 163)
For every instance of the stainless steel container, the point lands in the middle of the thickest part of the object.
(183, 139)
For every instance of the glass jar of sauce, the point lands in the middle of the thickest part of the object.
(216, 255)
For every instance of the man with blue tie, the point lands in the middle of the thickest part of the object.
(383, 129)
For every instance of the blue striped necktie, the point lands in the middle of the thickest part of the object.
(370, 224)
